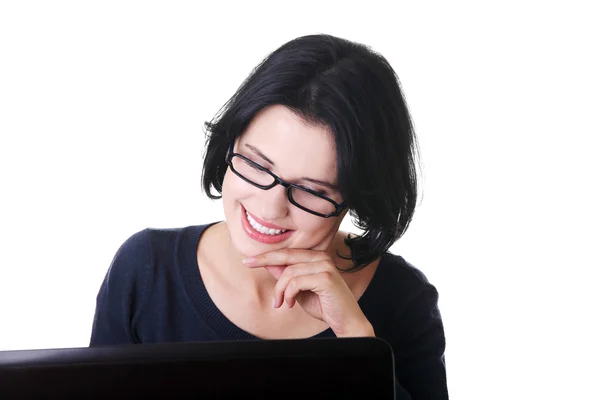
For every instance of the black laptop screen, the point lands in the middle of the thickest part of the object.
(312, 368)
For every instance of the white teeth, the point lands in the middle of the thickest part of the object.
(263, 229)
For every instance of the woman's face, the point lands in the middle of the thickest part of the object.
(297, 152)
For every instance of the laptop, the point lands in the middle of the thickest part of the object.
(350, 368)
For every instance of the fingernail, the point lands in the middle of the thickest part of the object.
(248, 260)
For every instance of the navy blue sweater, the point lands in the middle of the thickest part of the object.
(153, 293)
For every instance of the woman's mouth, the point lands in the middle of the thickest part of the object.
(262, 233)
(263, 229)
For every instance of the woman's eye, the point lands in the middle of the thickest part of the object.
(254, 165)
(321, 192)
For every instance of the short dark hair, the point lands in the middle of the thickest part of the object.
(353, 91)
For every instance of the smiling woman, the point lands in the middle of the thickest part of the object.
(320, 129)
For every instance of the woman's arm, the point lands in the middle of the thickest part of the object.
(122, 293)
(417, 337)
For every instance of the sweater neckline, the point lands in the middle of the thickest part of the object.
(206, 309)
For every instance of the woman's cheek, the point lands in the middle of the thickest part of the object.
(314, 229)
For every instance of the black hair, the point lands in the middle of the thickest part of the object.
(353, 91)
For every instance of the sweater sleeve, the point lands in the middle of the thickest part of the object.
(122, 293)
(419, 344)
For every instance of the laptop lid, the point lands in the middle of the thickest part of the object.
(267, 369)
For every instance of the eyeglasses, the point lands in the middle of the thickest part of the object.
(308, 200)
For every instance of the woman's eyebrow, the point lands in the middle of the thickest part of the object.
(260, 154)
(318, 182)
(322, 183)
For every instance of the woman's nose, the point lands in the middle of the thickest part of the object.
(274, 203)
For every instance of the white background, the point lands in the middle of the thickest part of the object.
(102, 107)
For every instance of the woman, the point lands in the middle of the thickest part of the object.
(319, 129)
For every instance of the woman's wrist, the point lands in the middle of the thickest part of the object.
(359, 329)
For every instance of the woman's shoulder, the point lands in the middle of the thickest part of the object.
(397, 268)
(150, 245)
(397, 283)
(393, 269)
(159, 237)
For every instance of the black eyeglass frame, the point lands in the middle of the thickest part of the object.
(278, 181)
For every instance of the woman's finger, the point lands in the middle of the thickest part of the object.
(275, 270)
(291, 272)
(312, 282)
(285, 257)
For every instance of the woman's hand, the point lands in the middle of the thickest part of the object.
(310, 278)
